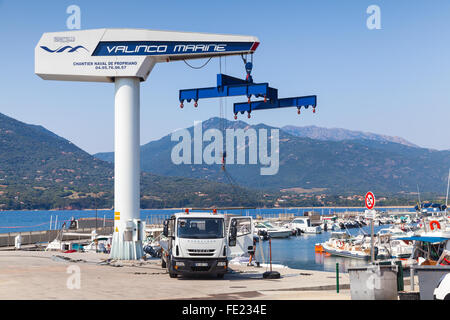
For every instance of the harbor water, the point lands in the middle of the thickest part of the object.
(297, 252)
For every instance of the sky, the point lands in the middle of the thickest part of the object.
(394, 80)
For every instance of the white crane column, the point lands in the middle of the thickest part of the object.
(127, 237)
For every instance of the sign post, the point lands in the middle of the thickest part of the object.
(370, 214)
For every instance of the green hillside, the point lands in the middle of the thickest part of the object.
(40, 170)
(348, 166)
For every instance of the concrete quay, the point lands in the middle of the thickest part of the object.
(56, 275)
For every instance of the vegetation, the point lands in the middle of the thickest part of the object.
(40, 170)
(347, 166)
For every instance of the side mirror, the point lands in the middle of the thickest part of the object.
(233, 234)
(166, 228)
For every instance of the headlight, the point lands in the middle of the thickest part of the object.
(221, 263)
(179, 263)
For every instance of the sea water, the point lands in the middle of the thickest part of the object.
(298, 252)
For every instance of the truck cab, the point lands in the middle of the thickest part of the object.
(202, 242)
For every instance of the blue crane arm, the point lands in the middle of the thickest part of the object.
(229, 86)
(274, 104)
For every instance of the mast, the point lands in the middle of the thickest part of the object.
(418, 194)
(448, 185)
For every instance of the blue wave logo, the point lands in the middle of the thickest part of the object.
(63, 49)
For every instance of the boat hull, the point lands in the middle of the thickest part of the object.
(280, 234)
(345, 254)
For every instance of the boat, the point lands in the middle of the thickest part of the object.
(397, 231)
(271, 230)
(59, 245)
(100, 244)
(389, 246)
(304, 225)
(329, 224)
(430, 248)
(348, 224)
(343, 245)
(151, 245)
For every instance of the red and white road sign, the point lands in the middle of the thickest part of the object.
(370, 200)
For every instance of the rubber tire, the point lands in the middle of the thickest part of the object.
(220, 275)
(172, 275)
(271, 275)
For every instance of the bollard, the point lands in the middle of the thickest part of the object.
(337, 277)
(270, 252)
(400, 283)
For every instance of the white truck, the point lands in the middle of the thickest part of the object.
(202, 242)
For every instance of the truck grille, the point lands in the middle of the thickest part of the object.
(201, 252)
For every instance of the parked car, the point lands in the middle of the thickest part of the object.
(442, 291)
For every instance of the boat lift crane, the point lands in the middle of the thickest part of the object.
(126, 57)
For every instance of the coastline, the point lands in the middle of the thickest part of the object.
(274, 208)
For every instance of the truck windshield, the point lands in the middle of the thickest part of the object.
(200, 228)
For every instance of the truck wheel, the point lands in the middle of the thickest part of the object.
(163, 263)
(173, 275)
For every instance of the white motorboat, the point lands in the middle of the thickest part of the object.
(271, 230)
(329, 224)
(390, 246)
(304, 225)
(343, 245)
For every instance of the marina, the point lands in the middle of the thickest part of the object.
(113, 187)
(293, 252)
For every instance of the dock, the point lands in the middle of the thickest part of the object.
(44, 275)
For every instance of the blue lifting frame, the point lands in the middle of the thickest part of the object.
(228, 86)
(275, 104)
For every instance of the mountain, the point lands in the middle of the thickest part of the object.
(338, 134)
(338, 167)
(40, 170)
